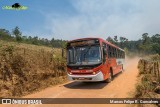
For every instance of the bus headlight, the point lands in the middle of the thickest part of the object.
(94, 73)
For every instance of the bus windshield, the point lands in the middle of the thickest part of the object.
(85, 55)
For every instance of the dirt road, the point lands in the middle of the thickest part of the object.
(121, 87)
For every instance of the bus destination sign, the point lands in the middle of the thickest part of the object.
(85, 42)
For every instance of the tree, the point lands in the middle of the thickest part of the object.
(5, 34)
(35, 40)
(52, 42)
(109, 39)
(16, 32)
(156, 48)
(115, 39)
(146, 45)
(123, 41)
(145, 38)
(156, 43)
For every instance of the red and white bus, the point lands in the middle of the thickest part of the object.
(93, 59)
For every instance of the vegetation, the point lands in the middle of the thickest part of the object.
(149, 75)
(16, 36)
(146, 45)
(26, 68)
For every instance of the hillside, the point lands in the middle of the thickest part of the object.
(26, 68)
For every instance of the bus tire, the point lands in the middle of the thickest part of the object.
(109, 79)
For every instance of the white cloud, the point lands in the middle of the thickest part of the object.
(103, 18)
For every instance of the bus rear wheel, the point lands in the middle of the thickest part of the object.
(122, 69)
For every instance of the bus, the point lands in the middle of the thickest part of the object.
(93, 59)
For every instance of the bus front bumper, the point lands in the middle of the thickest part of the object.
(96, 77)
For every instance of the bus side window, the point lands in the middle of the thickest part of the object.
(116, 51)
(108, 51)
(121, 54)
(112, 52)
(104, 49)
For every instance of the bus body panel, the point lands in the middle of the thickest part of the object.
(102, 71)
(97, 77)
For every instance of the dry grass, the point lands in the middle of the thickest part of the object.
(27, 68)
(149, 75)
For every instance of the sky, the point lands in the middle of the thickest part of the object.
(72, 19)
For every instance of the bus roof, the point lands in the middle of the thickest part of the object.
(102, 40)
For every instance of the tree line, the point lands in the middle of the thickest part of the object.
(16, 36)
(147, 44)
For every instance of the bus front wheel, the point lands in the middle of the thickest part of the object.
(109, 79)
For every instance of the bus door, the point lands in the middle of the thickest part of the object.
(105, 67)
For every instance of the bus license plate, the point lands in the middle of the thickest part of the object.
(81, 78)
